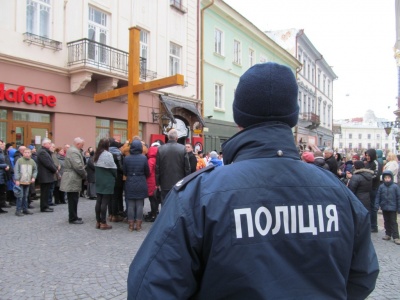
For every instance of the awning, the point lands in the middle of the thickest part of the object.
(171, 102)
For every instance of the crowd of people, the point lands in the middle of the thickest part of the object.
(372, 177)
(113, 174)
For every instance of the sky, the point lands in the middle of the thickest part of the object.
(356, 38)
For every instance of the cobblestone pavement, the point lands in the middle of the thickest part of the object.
(45, 257)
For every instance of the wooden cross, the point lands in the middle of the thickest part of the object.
(134, 87)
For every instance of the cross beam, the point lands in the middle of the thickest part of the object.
(135, 87)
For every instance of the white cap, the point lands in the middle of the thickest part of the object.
(155, 144)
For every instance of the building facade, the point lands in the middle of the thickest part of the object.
(56, 55)
(360, 134)
(315, 80)
(230, 45)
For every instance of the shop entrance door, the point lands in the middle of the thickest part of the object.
(24, 133)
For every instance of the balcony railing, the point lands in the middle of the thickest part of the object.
(90, 53)
(311, 117)
(42, 41)
(177, 4)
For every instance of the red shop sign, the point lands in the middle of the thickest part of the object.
(19, 95)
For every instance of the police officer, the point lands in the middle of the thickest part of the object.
(258, 228)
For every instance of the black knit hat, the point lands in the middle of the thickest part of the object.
(266, 92)
(358, 164)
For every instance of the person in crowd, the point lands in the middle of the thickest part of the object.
(372, 163)
(151, 182)
(71, 181)
(214, 161)
(59, 196)
(192, 160)
(308, 157)
(360, 183)
(19, 153)
(144, 145)
(115, 207)
(105, 175)
(388, 199)
(238, 232)
(347, 167)
(4, 168)
(200, 161)
(392, 165)
(330, 160)
(56, 176)
(25, 172)
(91, 178)
(381, 160)
(171, 165)
(10, 180)
(46, 172)
(206, 158)
(398, 173)
(136, 170)
(32, 188)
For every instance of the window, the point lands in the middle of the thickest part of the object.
(360, 136)
(350, 145)
(350, 135)
(218, 95)
(378, 136)
(38, 17)
(174, 59)
(218, 42)
(359, 146)
(144, 48)
(340, 145)
(300, 106)
(340, 136)
(251, 57)
(111, 128)
(3, 125)
(369, 146)
(329, 87)
(237, 54)
(368, 136)
(378, 145)
(98, 32)
(319, 79)
(386, 146)
(323, 84)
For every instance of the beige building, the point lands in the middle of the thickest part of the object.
(55, 55)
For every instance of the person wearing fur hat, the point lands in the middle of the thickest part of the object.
(243, 231)
(360, 183)
(388, 199)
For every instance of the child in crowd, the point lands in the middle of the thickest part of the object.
(25, 172)
(388, 198)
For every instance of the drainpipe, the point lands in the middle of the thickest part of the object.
(202, 56)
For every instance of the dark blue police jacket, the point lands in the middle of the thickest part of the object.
(264, 226)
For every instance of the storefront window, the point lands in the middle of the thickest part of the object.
(31, 117)
(3, 125)
(112, 128)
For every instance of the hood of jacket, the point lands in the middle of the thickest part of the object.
(114, 150)
(372, 154)
(387, 173)
(152, 152)
(136, 147)
(266, 140)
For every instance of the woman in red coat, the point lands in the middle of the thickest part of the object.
(151, 182)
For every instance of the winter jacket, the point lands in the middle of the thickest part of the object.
(215, 162)
(25, 170)
(151, 160)
(74, 171)
(388, 195)
(332, 164)
(171, 165)
(361, 185)
(393, 167)
(257, 228)
(191, 163)
(3, 166)
(90, 170)
(320, 162)
(105, 174)
(375, 166)
(46, 166)
(136, 170)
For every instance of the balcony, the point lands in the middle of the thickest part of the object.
(177, 4)
(310, 117)
(85, 52)
(42, 41)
